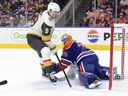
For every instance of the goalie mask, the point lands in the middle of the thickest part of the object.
(65, 38)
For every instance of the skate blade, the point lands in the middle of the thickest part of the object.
(95, 84)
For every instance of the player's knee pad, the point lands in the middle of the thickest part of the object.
(46, 53)
(87, 78)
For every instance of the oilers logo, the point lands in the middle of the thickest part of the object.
(93, 36)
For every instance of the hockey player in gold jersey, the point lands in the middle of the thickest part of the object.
(39, 38)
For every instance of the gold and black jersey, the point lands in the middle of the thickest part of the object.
(43, 27)
(46, 32)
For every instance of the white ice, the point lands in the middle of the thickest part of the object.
(22, 70)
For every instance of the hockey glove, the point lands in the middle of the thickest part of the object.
(52, 47)
(54, 50)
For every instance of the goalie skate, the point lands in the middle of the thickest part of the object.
(115, 75)
(95, 84)
(114, 70)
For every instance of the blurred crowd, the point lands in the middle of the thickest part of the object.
(105, 13)
(23, 12)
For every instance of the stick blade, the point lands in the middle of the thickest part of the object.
(3, 82)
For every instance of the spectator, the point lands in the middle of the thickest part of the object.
(102, 22)
(83, 22)
(91, 22)
(121, 18)
(124, 2)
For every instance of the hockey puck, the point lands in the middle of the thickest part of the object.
(3, 82)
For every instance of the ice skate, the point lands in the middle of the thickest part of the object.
(117, 77)
(52, 77)
(95, 84)
(44, 74)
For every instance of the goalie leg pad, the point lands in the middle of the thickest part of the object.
(89, 80)
(104, 73)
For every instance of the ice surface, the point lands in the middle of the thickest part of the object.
(22, 70)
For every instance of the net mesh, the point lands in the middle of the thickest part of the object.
(120, 57)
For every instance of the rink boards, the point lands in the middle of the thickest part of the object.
(94, 37)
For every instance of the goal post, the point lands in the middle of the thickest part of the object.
(118, 45)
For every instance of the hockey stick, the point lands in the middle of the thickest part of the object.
(64, 71)
(3, 82)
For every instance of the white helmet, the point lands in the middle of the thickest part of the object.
(54, 7)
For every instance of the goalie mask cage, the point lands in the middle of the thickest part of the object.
(119, 56)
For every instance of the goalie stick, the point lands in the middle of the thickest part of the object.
(3, 82)
(64, 71)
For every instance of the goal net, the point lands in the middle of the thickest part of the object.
(119, 57)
